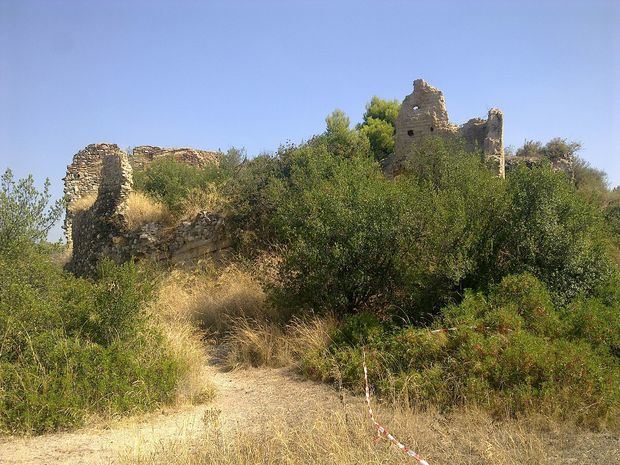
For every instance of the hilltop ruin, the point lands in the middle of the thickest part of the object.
(105, 171)
(424, 114)
(102, 230)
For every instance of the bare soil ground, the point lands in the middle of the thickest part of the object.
(249, 399)
(245, 398)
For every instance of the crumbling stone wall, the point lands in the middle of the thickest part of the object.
(423, 114)
(83, 177)
(206, 235)
(103, 229)
(143, 155)
(84, 173)
(562, 163)
(96, 230)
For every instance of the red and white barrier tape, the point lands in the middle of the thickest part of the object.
(381, 429)
(447, 330)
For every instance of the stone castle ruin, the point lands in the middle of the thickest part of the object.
(423, 114)
(102, 230)
(84, 174)
(105, 171)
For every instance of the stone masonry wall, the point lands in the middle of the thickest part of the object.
(84, 173)
(423, 114)
(102, 230)
(96, 230)
(206, 235)
(82, 179)
(145, 154)
(564, 163)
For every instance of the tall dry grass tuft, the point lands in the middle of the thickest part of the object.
(171, 310)
(190, 303)
(143, 209)
(218, 302)
(255, 343)
(83, 203)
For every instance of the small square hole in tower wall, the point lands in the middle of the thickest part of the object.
(410, 132)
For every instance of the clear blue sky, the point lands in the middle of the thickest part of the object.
(254, 74)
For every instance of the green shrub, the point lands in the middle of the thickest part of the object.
(71, 347)
(252, 201)
(336, 217)
(171, 181)
(352, 239)
(512, 352)
(552, 232)
(25, 213)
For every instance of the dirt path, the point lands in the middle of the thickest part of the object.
(247, 399)
(244, 398)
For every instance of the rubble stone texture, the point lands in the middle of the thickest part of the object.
(102, 230)
(424, 114)
(96, 230)
(82, 179)
(145, 154)
(563, 163)
(84, 173)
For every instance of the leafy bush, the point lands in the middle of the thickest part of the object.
(552, 232)
(25, 213)
(252, 200)
(70, 347)
(351, 239)
(336, 216)
(511, 352)
(171, 181)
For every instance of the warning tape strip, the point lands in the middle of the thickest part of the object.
(381, 429)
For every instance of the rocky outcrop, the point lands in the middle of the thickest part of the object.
(424, 114)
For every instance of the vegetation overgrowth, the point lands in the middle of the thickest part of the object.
(69, 347)
(333, 258)
(522, 268)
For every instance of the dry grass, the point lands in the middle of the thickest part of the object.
(339, 434)
(83, 203)
(192, 302)
(170, 310)
(344, 436)
(255, 343)
(217, 302)
(143, 209)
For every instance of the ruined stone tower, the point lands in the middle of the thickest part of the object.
(423, 114)
(84, 174)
